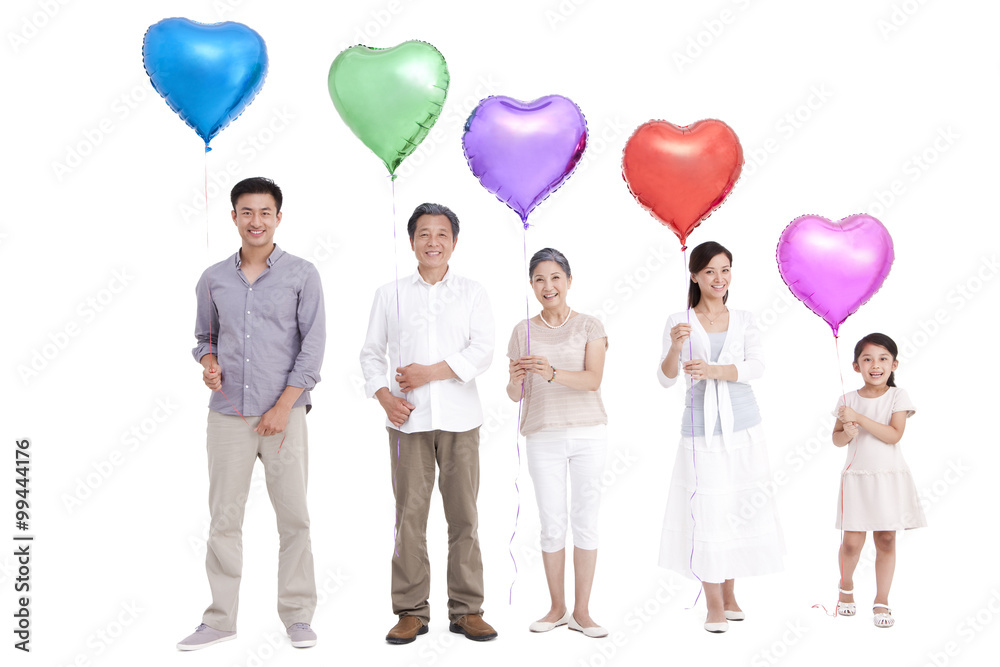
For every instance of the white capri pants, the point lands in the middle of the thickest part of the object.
(581, 451)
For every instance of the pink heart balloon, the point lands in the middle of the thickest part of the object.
(834, 267)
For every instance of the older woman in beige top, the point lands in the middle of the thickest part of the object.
(556, 365)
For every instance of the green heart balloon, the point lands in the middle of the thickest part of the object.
(390, 98)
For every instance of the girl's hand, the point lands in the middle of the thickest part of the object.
(517, 374)
(846, 414)
(678, 334)
(698, 369)
(537, 364)
(851, 429)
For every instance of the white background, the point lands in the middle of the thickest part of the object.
(832, 102)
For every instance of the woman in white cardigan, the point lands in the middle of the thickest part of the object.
(720, 521)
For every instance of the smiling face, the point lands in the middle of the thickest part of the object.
(433, 242)
(256, 217)
(550, 284)
(875, 363)
(714, 279)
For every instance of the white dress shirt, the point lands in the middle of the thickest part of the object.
(741, 349)
(450, 321)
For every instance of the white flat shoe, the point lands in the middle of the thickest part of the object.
(596, 631)
(717, 627)
(735, 615)
(846, 608)
(545, 626)
(883, 619)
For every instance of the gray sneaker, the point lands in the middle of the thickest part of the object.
(302, 635)
(204, 636)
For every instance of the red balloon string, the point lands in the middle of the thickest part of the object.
(399, 358)
(694, 463)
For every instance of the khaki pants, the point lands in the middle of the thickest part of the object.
(233, 448)
(457, 456)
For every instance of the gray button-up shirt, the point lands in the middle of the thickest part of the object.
(266, 336)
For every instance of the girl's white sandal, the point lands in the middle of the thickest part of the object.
(846, 608)
(883, 619)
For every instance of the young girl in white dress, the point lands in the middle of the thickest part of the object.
(877, 489)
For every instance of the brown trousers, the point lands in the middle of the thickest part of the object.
(457, 457)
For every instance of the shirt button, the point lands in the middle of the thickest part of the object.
(247, 387)
(248, 361)
(251, 289)
(248, 312)
(248, 335)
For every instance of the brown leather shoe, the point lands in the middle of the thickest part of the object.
(406, 630)
(474, 627)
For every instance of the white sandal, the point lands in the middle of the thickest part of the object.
(846, 608)
(883, 619)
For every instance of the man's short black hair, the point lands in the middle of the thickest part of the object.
(258, 185)
(432, 209)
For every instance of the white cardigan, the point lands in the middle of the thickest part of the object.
(741, 349)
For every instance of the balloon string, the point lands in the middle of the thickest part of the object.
(399, 359)
(211, 355)
(517, 426)
(694, 463)
(840, 553)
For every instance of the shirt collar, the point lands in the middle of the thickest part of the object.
(417, 278)
(275, 255)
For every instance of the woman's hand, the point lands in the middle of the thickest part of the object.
(537, 364)
(847, 415)
(517, 374)
(678, 334)
(699, 369)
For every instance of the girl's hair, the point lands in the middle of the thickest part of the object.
(549, 255)
(700, 257)
(882, 341)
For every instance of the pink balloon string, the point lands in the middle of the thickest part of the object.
(840, 553)
(694, 463)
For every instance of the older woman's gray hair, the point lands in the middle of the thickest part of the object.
(549, 255)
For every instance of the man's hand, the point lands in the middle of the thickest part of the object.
(212, 374)
(273, 421)
(396, 409)
(411, 376)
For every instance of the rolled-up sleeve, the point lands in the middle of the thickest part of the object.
(311, 316)
(752, 365)
(477, 356)
(373, 354)
(664, 380)
(206, 324)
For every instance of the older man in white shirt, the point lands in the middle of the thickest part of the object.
(436, 328)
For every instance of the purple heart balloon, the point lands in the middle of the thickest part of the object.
(523, 151)
(834, 267)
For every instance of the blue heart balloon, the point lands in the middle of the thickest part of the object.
(207, 74)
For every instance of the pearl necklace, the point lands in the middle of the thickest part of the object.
(559, 326)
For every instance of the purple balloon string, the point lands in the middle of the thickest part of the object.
(694, 463)
(399, 356)
(517, 426)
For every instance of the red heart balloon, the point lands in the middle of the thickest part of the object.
(681, 174)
